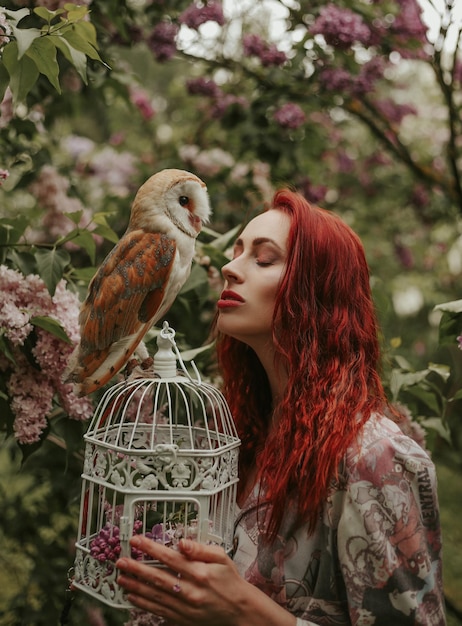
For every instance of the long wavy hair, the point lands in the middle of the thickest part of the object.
(325, 329)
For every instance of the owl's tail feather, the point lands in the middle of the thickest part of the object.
(92, 371)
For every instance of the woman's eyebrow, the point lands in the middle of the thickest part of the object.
(258, 241)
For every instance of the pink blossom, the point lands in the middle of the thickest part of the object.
(203, 87)
(341, 28)
(268, 54)
(197, 14)
(142, 101)
(3, 175)
(459, 342)
(313, 193)
(290, 116)
(161, 40)
(393, 111)
(51, 192)
(403, 253)
(408, 21)
(420, 197)
(341, 80)
(409, 426)
(32, 389)
(224, 102)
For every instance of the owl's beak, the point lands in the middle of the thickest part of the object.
(196, 222)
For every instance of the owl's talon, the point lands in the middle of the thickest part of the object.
(132, 364)
(147, 364)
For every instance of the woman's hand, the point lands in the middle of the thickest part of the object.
(200, 584)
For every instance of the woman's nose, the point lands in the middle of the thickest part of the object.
(230, 271)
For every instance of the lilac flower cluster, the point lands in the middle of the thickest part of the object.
(393, 111)
(289, 116)
(50, 190)
(459, 342)
(140, 98)
(408, 22)
(221, 101)
(34, 376)
(268, 54)
(203, 86)
(197, 14)
(340, 80)
(341, 28)
(106, 545)
(162, 40)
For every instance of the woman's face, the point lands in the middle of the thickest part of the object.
(245, 308)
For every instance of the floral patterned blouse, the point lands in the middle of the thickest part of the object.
(375, 555)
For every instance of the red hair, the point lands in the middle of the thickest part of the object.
(325, 329)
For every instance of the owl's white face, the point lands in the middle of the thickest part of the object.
(171, 197)
(187, 206)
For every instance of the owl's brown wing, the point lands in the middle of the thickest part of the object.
(123, 299)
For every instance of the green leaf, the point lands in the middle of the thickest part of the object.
(74, 38)
(75, 57)
(88, 32)
(24, 261)
(399, 380)
(51, 265)
(197, 278)
(16, 16)
(5, 349)
(85, 274)
(435, 423)
(51, 326)
(104, 230)
(48, 15)
(43, 53)
(75, 12)
(451, 307)
(85, 240)
(428, 398)
(4, 81)
(23, 73)
(24, 38)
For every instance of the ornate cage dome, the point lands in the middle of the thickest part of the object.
(161, 458)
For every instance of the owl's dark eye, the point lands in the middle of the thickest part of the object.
(183, 200)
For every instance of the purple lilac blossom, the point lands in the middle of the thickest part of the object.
(203, 87)
(408, 21)
(224, 102)
(161, 40)
(195, 15)
(141, 99)
(269, 55)
(290, 116)
(31, 389)
(459, 342)
(393, 111)
(341, 28)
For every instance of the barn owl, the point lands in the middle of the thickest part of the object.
(139, 279)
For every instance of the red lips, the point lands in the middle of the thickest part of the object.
(229, 299)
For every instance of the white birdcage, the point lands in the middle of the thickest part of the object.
(161, 459)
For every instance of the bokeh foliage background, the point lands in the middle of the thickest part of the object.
(357, 104)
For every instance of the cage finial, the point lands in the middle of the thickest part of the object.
(168, 354)
(165, 358)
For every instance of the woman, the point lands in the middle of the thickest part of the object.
(338, 520)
